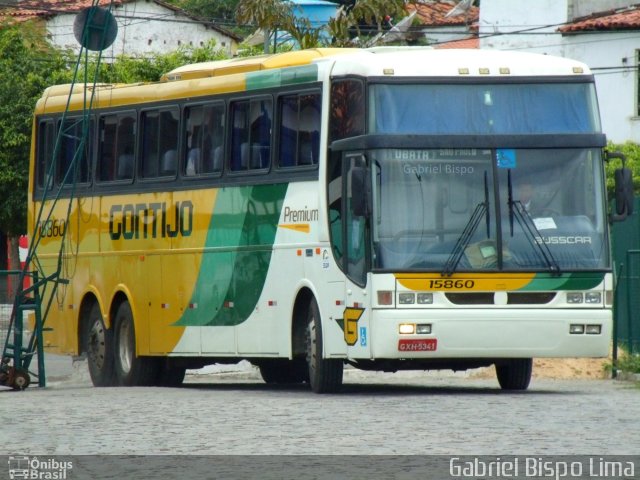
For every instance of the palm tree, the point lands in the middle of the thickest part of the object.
(366, 12)
(265, 14)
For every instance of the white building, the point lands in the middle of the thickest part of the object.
(144, 26)
(601, 33)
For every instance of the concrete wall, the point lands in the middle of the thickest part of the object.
(499, 19)
(582, 8)
(137, 35)
(617, 92)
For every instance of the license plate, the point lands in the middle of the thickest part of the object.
(418, 345)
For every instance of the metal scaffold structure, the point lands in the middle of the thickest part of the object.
(95, 29)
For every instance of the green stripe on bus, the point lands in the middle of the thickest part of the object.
(237, 255)
(565, 281)
(280, 77)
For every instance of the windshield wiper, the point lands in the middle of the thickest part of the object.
(482, 209)
(533, 235)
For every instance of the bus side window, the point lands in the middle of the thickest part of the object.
(261, 113)
(347, 109)
(239, 136)
(159, 142)
(106, 148)
(251, 134)
(44, 152)
(213, 138)
(125, 147)
(70, 142)
(116, 147)
(299, 129)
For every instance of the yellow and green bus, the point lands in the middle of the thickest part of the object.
(318, 208)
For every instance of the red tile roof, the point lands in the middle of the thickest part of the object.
(433, 13)
(622, 19)
(471, 42)
(30, 9)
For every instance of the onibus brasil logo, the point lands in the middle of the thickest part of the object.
(38, 468)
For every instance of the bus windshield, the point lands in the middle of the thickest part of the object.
(451, 210)
(480, 109)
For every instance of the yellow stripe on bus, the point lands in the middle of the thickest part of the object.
(298, 227)
(464, 282)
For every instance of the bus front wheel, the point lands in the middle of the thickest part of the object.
(98, 344)
(514, 374)
(131, 370)
(325, 375)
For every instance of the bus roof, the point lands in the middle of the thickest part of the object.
(252, 64)
(240, 74)
(402, 60)
(455, 63)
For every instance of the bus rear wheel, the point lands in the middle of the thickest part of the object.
(325, 375)
(98, 343)
(515, 374)
(131, 370)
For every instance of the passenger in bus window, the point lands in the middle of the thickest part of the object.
(525, 195)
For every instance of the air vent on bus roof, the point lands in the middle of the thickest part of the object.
(250, 64)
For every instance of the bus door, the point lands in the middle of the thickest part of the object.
(356, 244)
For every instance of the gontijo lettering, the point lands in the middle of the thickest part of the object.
(150, 220)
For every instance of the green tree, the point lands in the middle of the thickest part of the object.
(151, 67)
(632, 151)
(268, 15)
(221, 12)
(27, 66)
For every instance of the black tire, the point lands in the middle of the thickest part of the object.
(514, 374)
(131, 370)
(283, 371)
(98, 344)
(325, 375)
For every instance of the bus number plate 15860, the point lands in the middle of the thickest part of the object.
(418, 345)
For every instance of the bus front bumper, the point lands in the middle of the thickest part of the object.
(479, 333)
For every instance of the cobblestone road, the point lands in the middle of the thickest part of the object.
(405, 413)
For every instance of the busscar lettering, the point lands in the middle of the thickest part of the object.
(568, 240)
(150, 220)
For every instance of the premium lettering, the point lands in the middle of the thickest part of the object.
(302, 215)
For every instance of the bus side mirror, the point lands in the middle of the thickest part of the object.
(360, 192)
(623, 189)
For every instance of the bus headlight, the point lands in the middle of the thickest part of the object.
(576, 329)
(406, 298)
(423, 328)
(593, 297)
(407, 328)
(593, 329)
(575, 297)
(425, 298)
